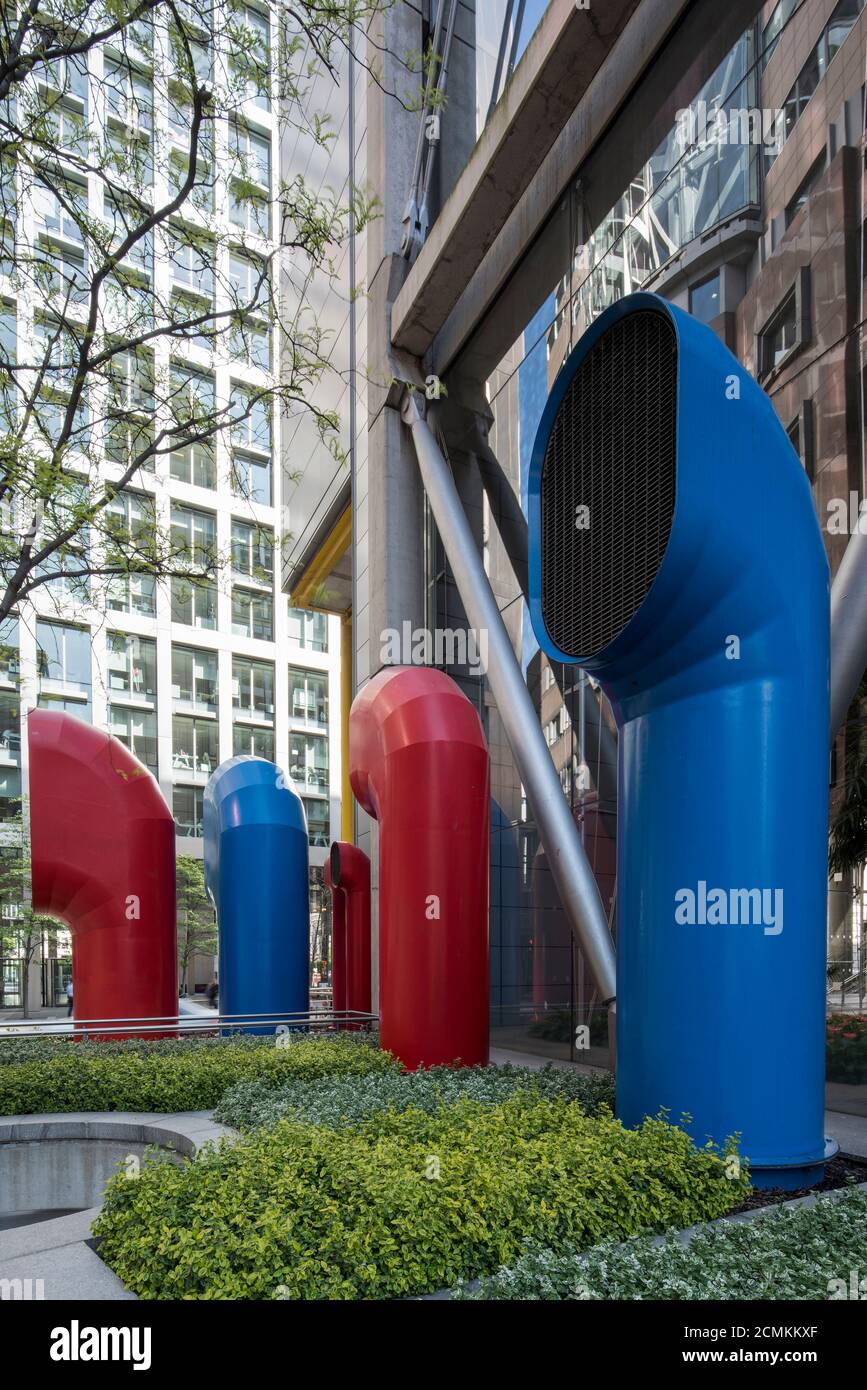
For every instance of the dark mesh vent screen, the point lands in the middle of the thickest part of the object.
(611, 450)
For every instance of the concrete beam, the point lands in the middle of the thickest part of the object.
(562, 59)
(665, 54)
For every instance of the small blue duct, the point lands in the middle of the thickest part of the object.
(676, 555)
(256, 874)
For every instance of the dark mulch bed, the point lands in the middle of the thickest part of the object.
(839, 1171)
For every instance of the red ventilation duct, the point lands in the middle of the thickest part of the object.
(103, 861)
(419, 765)
(347, 874)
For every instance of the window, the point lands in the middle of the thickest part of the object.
(129, 120)
(194, 603)
(130, 515)
(10, 663)
(180, 114)
(801, 434)
(253, 551)
(840, 24)
(308, 696)
(130, 408)
(196, 533)
(132, 681)
(251, 478)
(318, 823)
(132, 668)
(251, 438)
(194, 681)
(256, 743)
(829, 43)
(195, 744)
(252, 614)
(61, 272)
(788, 328)
(8, 215)
(60, 207)
(250, 337)
(10, 728)
(308, 761)
(188, 811)
(192, 402)
(191, 51)
(253, 689)
(774, 27)
(67, 78)
(250, 179)
(192, 261)
(195, 464)
(10, 793)
(250, 58)
(63, 664)
(803, 193)
(137, 730)
(308, 629)
(133, 593)
(123, 219)
(704, 299)
(9, 357)
(57, 352)
(781, 336)
(250, 342)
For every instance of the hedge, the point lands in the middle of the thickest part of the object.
(167, 1077)
(405, 1203)
(786, 1253)
(339, 1101)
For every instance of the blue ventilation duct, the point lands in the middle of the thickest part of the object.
(676, 555)
(256, 874)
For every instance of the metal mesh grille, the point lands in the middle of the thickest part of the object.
(611, 450)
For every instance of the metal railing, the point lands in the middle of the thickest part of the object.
(213, 1022)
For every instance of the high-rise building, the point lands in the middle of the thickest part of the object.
(186, 675)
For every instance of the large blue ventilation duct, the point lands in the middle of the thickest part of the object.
(676, 555)
(256, 874)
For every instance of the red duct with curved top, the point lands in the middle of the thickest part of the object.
(419, 764)
(347, 874)
(103, 861)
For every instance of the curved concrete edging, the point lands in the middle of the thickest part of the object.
(53, 1259)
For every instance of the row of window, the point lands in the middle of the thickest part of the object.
(829, 43)
(131, 404)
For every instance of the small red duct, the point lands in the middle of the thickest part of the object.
(347, 874)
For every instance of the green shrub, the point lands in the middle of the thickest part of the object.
(338, 1101)
(405, 1203)
(786, 1253)
(173, 1075)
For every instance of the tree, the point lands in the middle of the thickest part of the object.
(197, 929)
(121, 130)
(22, 931)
